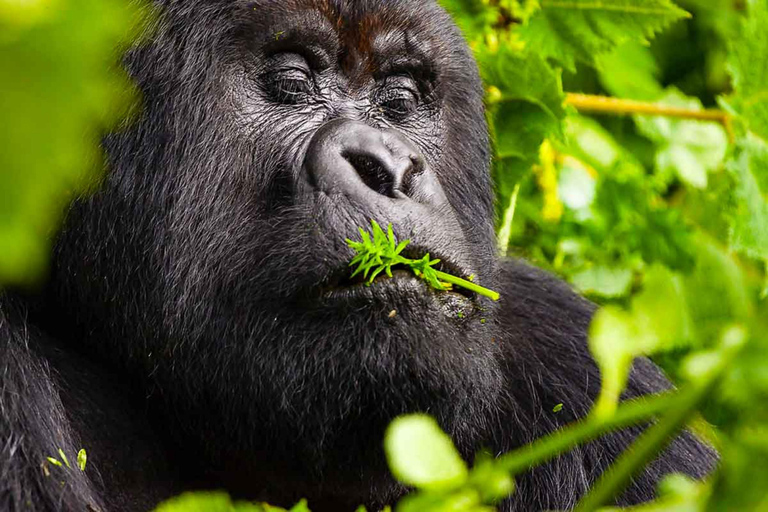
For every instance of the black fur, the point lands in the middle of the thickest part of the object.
(184, 339)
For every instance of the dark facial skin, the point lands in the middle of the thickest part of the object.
(200, 322)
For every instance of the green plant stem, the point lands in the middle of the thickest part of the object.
(505, 233)
(647, 446)
(711, 367)
(629, 413)
(469, 285)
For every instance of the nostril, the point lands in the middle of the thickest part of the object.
(374, 174)
(391, 178)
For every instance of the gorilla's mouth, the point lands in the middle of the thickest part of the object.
(342, 285)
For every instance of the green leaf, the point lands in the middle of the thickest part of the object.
(82, 459)
(210, 502)
(576, 186)
(749, 69)
(603, 281)
(689, 149)
(522, 76)
(630, 71)
(657, 320)
(300, 507)
(580, 30)
(610, 336)
(526, 108)
(421, 455)
(64, 457)
(749, 225)
(716, 291)
(61, 90)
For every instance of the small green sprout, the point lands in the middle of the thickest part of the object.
(381, 251)
(557, 408)
(82, 459)
(64, 457)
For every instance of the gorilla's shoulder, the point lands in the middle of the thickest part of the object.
(537, 303)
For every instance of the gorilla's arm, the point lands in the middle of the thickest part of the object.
(33, 426)
(52, 398)
(547, 363)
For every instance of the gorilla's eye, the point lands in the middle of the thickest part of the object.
(400, 97)
(289, 79)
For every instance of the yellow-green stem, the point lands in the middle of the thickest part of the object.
(469, 285)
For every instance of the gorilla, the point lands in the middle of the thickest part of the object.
(199, 328)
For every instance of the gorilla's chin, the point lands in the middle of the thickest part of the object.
(319, 381)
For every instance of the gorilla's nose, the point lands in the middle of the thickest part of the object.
(355, 159)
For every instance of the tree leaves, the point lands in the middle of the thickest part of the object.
(749, 225)
(219, 502)
(749, 167)
(749, 68)
(580, 30)
(687, 149)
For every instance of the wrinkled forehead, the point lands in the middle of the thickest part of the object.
(360, 29)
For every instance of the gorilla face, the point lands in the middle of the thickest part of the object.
(214, 265)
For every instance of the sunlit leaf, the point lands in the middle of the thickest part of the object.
(421, 455)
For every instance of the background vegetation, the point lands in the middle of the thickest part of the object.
(636, 170)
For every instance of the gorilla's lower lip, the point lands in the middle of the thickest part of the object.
(401, 281)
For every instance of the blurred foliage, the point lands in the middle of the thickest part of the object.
(61, 89)
(219, 502)
(662, 219)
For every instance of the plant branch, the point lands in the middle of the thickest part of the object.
(648, 445)
(606, 105)
(657, 437)
(629, 413)
(463, 283)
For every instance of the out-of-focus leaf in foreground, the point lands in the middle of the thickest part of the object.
(61, 89)
(219, 502)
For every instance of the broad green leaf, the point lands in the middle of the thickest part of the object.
(610, 335)
(60, 90)
(630, 71)
(657, 320)
(210, 502)
(523, 76)
(421, 455)
(604, 281)
(592, 143)
(580, 30)
(660, 312)
(749, 68)
(576, 186)
(16, 14)
(749, 227)
(462, 500)
(689, 149)
(716, 291)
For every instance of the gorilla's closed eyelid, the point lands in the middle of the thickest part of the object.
(294, 42)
